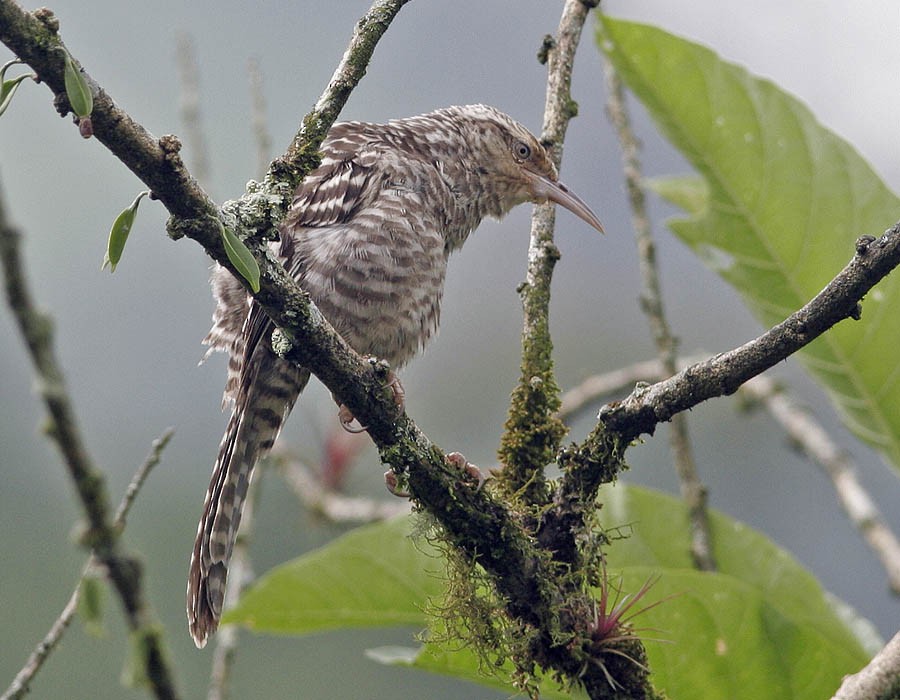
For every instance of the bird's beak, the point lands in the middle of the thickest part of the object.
(545, 189)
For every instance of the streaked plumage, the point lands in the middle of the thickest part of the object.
(368, 236)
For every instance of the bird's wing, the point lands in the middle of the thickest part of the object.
(335, 190)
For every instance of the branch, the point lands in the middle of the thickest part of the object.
(692, 489)
(191, 119)
(532, 432)
(21, 683)
(801, 427)
(879, 680)
(258, 123)
(599, 387)
(815, 442)
(329, 504)
(102, 535)
(723, 374)
(302, 155)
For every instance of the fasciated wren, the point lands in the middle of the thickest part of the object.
(368, 236)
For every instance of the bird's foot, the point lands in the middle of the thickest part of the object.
(347, 419)
(470, 471)
(391, 381)
(392, 482)
(399, 393)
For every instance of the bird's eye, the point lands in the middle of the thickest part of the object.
(522, 150)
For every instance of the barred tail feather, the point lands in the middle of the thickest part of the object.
(258, 415)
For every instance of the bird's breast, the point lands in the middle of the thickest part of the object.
(377, 279)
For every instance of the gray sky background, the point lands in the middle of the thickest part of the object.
(130, 342)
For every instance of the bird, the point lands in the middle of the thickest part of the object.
(367, 235)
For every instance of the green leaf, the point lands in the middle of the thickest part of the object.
(92, 603)
(761, 622)
(118, 234)
(241, 257)
(786, 200)
(8, 89)
(77, 90)
(690, 192)
(374, 576)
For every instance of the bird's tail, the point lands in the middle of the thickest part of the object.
(257, 418)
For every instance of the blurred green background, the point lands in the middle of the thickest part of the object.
(130, 342)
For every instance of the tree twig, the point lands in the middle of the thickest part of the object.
(258, 122)
(330, 504)
(879, 679)
(693, 491)
(601, 387)
(810, 436)
(21, 683)
(532, 433)
(102, 535)
(798, 423)
(721, 375)
(189, 74)
(140, 476)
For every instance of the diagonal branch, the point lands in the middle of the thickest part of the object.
(102, 534)
(20, 684)
(692, 489)
(804, 431)
(723, 374)
(879, 679)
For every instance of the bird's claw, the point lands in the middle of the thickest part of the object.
(392, 382)
(392, 482)
(470, 471)
(399, 393)
(347, 419)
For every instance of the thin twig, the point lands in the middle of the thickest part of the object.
(22, 682)
(331, 505)
(140, 476)
(693, 491)
(102, 536)
(810, 436)
(258, 122)
(800, 425)
(879, 679)
(723, 374)
(191, 119)
(602, 387)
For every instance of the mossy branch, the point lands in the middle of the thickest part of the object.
(532, 432)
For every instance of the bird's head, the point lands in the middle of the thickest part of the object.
(518, 166)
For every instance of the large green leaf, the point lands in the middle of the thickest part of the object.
(786, 198)
(762, 622)
(374, 576)
(760, 627)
